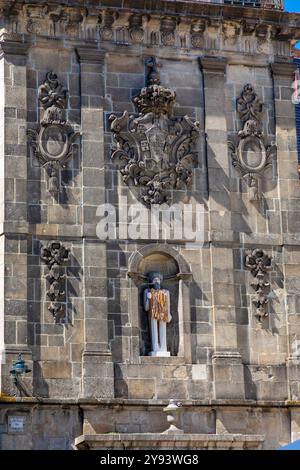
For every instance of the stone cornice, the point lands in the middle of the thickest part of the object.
(91, 404)
(166, 7)
(112, 22)
(90, 55)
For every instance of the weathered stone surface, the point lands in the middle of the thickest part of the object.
(88, 365)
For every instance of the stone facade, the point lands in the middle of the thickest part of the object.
(78, 322)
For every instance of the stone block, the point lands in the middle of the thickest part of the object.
(56, 369)
(132, 64)
(98, 421)
(95, 254)
(174, 388)
(96, 287)
(92, 84)
(92, 154)
(97, 387)
(141, 388)
(62, 214)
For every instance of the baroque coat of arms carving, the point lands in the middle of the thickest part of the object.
(155, 151)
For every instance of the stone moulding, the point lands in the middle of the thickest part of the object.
(259, 263)
(250, 156)
(155, 151)
(52, 143)
(55, 255)
(166, 441)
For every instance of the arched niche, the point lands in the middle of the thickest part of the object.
(177, 274)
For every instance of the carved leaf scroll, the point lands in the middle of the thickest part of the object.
(55, 255)
(250, 156)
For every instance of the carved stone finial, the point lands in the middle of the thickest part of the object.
(173, 411)
(153, 73)
(197, 33)
(259, 263)
(55, 255)
(108, 19)
(167, 28)
(249, 107)
(136, 28)
(154, 98)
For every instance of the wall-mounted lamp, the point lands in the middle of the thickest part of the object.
(19, 367)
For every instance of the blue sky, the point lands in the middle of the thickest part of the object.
(292, 5)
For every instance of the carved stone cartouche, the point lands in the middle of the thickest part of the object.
(52, 143)
(259, 263)
(250, 155)
(155, 151)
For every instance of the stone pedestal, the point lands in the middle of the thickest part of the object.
(169, 442)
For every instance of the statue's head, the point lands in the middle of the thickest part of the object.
(155, 279)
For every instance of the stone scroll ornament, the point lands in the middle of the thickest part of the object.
(52, 143)
(259, 263)
(250, 156)
(155, 151)
(55, 255)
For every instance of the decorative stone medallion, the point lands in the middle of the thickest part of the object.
(52, 142)
(250, 155)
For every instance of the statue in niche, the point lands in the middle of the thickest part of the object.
(157, 305)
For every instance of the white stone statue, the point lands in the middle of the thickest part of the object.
(157, 305)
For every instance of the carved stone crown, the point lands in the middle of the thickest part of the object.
(155, 99)
(249, 106)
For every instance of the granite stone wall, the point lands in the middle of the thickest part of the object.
(97, 349)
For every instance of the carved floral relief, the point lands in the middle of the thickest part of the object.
(55, 255)
(259, 263)
(250, 156)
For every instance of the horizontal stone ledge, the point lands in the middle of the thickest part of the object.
(226, 238)
(239, 238)
(171, 360)
(261, 239)
(191, 7)
(176, 52)
(211, 64)
(93, 403)
(291, 239)
(157, 440)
